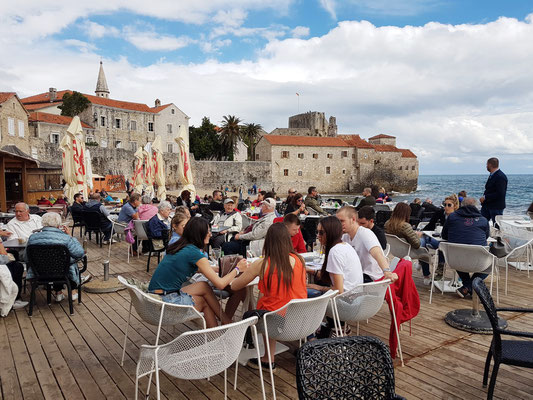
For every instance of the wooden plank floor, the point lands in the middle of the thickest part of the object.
(55, 355)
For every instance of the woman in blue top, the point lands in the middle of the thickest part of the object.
(184, 259)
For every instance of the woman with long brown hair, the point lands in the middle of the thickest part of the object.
(281, 273)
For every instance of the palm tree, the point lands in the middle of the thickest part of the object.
(229, 135)
(250, 135)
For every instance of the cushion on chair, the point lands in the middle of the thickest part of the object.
(517, 352)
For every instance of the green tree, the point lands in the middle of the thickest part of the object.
(74, 104)
(203, 141)
(229, 135)
(251, 133)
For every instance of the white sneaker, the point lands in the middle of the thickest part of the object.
(74, 296)
(427, 281)
(86, 278)
(418, 267)
(19, 304)
(60, 297)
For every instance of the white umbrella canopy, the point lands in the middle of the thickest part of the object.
(73, 148)
(148, 169)
(88, 170)
(159, 168)
(138, 175)
(184, 166)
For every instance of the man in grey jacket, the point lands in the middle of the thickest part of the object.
(259, 230)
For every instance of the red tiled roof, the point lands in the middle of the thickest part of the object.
(160, 108)
(5, 96)
(44, 98)
(356, 141)
(406, 153)
(39, 106)
(382, 136)
(280, 140)
(385, 147)
(54, 119)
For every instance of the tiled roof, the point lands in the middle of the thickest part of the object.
(5, 96)
(382, 136)
(160, 108)
(54, 119)
(315, 141)
(407, 153)
(356, 141)
(44, 98)
(39, 106)
(385, 147)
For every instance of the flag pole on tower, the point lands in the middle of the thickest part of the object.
(298, 96)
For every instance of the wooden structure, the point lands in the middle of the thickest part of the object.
(22, 178)
(55, 355)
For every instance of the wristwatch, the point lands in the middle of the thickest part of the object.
(386, 269)
(238, 270)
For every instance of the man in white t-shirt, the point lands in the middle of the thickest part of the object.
(24, 223)
(366, 244)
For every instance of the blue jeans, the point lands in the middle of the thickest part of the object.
(432, 243)
(182, 299)
(490, 213)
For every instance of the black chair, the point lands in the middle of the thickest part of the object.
(427, 215)
(309, 230)
(510, 352)
(50, 264)
(352, 367)
(77, 217)
(93, 224)
(382, 216)
(165, 236)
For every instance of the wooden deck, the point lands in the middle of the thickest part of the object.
(54, 355)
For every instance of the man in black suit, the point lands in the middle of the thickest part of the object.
(493, 200)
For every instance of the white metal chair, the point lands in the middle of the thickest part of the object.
(156, 312)
(312, 212)
(387, 250)
(471, 259)
(197, 355)
(140, 232)
(360, 304)
(522, 249)
(401, 249)
(296, 320)
(246, 221)
(381, 207)
(118, 227)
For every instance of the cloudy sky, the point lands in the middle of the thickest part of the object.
(452, 80)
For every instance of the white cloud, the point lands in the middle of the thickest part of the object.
(300, 31)
(152, 41)
(96, 31)
(329, 6)
(384, 7)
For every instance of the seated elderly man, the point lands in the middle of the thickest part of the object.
(24, 223)
(146, 210)
(95, 205)
(467, 226)
(54, 233)
(159, 225)
(258, 230)
(230, 221)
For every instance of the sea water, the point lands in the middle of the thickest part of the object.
(437, 187)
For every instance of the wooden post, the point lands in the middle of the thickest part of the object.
(3, 199)
(24, 183)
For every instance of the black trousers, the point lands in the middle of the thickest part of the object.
(17, 270)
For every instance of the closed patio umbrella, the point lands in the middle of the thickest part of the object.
(73, 150)
(88, 170)
(184, 166)
(148, 169)
(159, 168)
(138, 174)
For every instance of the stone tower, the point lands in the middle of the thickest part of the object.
(101, 85)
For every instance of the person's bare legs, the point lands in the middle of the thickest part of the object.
(202, 289)
(209, 315)
(272, 343)
(233, 302)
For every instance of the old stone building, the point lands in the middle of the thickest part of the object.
(311, 123)
(117, 124)
(345, 163)
(13, 122)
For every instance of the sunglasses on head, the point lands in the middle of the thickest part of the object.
(292, 192)
(321, 232)
(448, 205)
(299, 201)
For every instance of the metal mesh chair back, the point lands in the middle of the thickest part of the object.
(353, 367)
(398, 247)
(466, 257)
(362, 302)
(518, 245)
(77, 216)
(197, 354)
(299, 318)
(149, 308)
(48, 262)
(139, 229)
(382, 216)
(381, 207)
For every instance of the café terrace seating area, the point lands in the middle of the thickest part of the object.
(54, 354)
